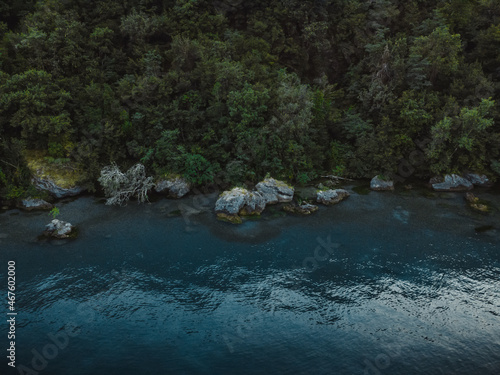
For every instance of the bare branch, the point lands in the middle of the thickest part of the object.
(119, 187)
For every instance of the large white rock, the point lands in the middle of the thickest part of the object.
(238, 200)
(232, 201)
(275, 191)
(453, 182)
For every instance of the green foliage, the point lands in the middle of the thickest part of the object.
(297, 88)
(54, 213)
(198, 170)
(460, 142)
(3, 178)
(303, 178)
(495, 166)
(338, 160)
(440, 50)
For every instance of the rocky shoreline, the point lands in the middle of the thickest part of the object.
(238, 202)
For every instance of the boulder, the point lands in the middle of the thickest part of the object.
(331, 196)
(59, 229)
(31, 204)
(174, 187)
(478, 179)
(232, 201)
(56, 191)
(303, 209)
(275, 191)
(377, 183)
(254, 204)
(239, 201)
(453, 182)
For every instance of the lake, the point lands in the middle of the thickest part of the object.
(382, 283)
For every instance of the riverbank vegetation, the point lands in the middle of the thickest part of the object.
(238, 88)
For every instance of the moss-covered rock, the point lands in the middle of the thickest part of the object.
(59, 177)
(233, 219)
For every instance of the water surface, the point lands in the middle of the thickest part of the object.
(407, 285)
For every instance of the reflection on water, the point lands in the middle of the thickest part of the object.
(380, 284)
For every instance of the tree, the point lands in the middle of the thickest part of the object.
(441, 50)
(33, 102)
(462, 142)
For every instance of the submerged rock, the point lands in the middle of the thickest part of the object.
(452, 182)
(471, 198)
(379, 184)
(475, 203)
(174, 187)
(59, 229)
(55, 190)
(31, 204)
(303, 209)
(275, 191)
(331, 196)
(234, 219)
(478, 179)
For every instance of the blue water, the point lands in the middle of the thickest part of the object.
(407, 285)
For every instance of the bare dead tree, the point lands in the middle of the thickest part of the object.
(119, 187)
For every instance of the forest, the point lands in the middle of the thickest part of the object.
(240, 89)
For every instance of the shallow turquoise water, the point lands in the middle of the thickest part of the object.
(406, 285)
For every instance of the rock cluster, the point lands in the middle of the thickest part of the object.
(238, 201)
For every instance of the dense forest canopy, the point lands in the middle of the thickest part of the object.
(244, 88)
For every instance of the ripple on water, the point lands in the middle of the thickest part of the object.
(404, 293)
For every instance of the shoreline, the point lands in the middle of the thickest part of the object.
(360, 186)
